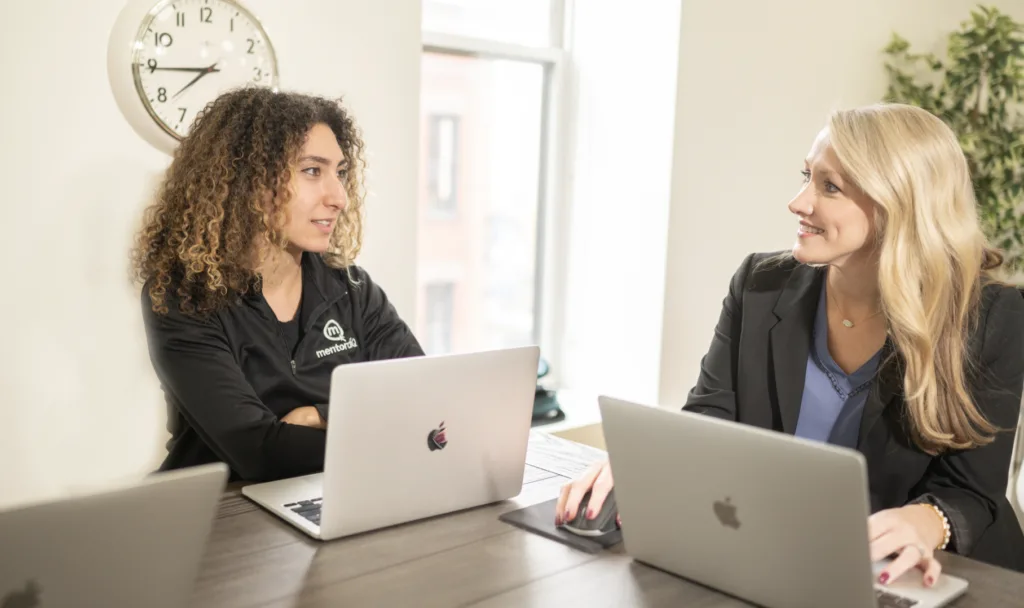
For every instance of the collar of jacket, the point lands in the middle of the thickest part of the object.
(322, 286)
(790, 339)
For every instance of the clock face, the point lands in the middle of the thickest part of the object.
(188, 52)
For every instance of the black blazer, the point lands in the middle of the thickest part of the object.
(754, 373)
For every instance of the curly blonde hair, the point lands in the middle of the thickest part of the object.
(223, 199)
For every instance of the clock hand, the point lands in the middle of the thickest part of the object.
(207, 70)
(182, 69)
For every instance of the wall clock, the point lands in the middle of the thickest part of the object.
(167, 60)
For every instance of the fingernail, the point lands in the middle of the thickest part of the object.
(566, 518)
(590, 514)
(929, 580)
(558, 520)
(884, 578)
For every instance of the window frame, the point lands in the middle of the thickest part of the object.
(553, 191)
(448, 207)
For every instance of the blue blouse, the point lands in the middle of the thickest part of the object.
(833, 401)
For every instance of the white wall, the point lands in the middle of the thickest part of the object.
(623, 70)
(756, 82)
(78, 401)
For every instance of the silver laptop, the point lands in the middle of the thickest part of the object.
(774, 519)
(413, 438)
(126, 546)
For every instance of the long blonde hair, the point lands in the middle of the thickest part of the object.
(933, 259)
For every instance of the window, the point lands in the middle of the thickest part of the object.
(442, 165)
(440, 299)
(487, 102)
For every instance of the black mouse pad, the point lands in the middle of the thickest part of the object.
(540, 519)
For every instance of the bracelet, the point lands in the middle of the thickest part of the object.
(945, 527)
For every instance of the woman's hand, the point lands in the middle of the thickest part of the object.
(597, 478)
(305, 416)
(912, 532)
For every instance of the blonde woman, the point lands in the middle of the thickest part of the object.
(883, 330)
(250, 295)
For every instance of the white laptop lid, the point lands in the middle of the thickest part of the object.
(773, 519)
(136, 545)
(384, 464)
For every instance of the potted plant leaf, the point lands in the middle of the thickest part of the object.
(978, 90)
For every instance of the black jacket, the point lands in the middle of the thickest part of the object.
(754, 373)
(228, 379)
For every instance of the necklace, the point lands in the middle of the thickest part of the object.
(847, 322)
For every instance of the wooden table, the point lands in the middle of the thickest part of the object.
(468, 559)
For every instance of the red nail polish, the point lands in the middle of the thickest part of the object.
(590, 514)
(929, 581)
(558, 521)
(884, 578)
(566, 518)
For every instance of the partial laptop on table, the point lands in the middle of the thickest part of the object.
(764, 516)
(412, 438)
(132, 545)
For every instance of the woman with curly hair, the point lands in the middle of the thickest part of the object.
(250, 293)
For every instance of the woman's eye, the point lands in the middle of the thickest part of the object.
(807, 175)
(831, 188)
(343, 175)
(314, 171)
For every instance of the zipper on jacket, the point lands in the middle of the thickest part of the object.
(293, 367)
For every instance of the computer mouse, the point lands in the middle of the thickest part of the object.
(602, 524)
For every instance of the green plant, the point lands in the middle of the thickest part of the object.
(977, 90)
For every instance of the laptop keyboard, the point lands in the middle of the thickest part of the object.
(889, 600)
(310, 509)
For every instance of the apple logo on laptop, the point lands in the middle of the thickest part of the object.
(726, 513)
(436, 439)
(25, 598)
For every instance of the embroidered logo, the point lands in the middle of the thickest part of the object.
(333, 331)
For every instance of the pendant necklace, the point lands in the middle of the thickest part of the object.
(847, 322)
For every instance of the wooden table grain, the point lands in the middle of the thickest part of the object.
(253, 559)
